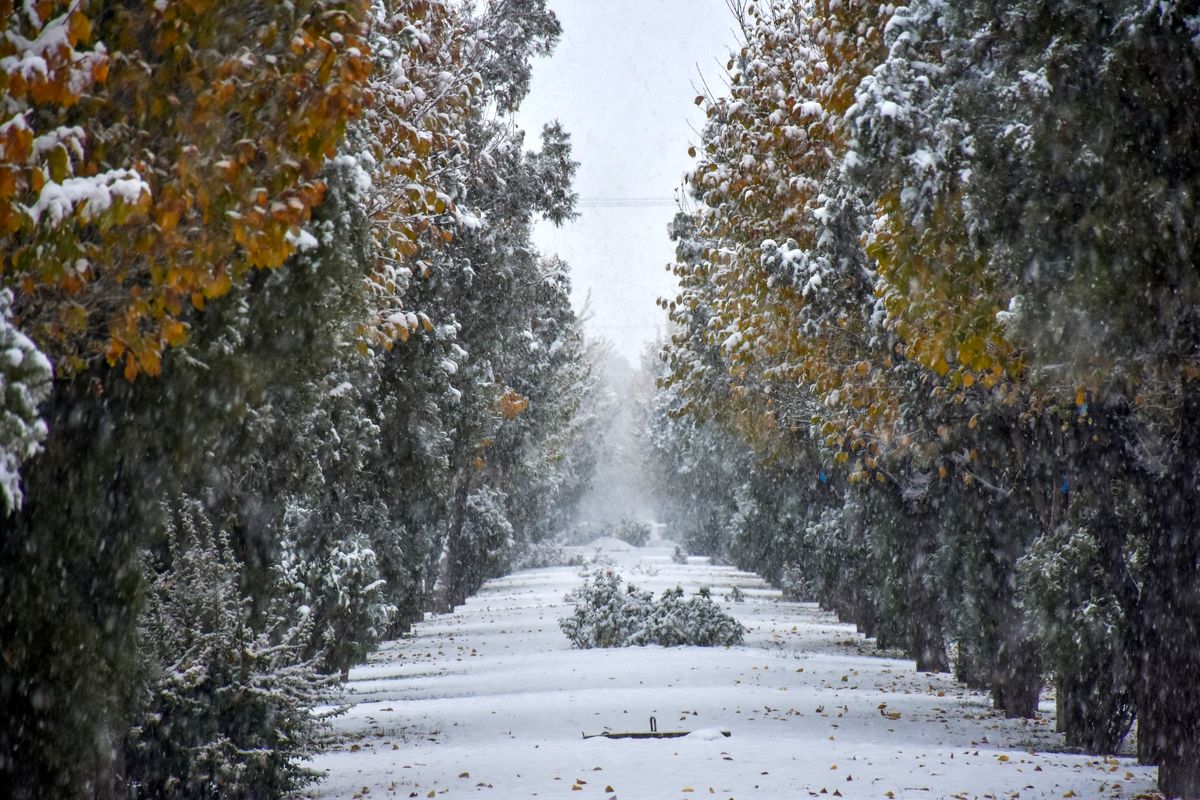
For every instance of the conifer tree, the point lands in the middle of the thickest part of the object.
(227, 712)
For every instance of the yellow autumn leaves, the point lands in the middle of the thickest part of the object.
(779, 319)
(226, 113)
(824, 317)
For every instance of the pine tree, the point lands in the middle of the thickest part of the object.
(226, 712)
(25, 375)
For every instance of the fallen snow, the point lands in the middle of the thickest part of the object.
(92, 195)
(491, 702)
(301, 239)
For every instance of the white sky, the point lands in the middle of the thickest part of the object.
(622, 83)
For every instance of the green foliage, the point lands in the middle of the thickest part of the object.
(607, 613)
(632, 532)
(226, 712)
(25, 376)
(1085, 631)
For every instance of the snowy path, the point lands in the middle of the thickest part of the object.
(490, 702)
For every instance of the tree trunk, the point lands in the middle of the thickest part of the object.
(1147, 742)
(926, 640)
(866, 627)
(1016, 694)
(453, 579)
(1017, 678)
(971, 669)
(1179, 773)
(1170, 626)
(1168, 622)
(928, 644)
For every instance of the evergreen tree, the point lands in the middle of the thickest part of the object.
(25, 375)
(226, 712)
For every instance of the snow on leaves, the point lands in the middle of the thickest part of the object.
(155, 155)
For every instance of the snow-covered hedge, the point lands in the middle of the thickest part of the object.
(608, 613)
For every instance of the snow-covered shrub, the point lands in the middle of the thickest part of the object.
(679, 557)
(536, 555)
(608, 613)
(707, 625)
(666, 622)
(736, 595)
(634, 533)
(228, 712)
(25, 376)
(698, 621)
(795, 585)
(339, 581)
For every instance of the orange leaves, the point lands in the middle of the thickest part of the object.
(224, 122)
(174, 332)
(788, 320)
(41, 63)
(79, 27)
(511, 405)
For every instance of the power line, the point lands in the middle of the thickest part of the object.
(625, 202)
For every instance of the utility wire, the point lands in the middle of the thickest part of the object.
(625, 202)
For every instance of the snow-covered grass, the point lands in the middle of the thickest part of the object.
(491, 702)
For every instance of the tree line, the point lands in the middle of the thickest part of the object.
(935, 351)
(282, 368)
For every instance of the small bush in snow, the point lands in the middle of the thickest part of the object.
(536, 555)
(796, 587)
(635, 533)
(608, 613)
(679, 557)
(736, 595)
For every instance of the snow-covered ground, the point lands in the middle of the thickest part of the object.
(491, 702)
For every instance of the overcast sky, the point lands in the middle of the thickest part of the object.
(622, 82)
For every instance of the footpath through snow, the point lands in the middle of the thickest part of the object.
(491, 701)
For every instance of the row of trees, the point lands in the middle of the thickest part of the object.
(936, 345)
(310, 377)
